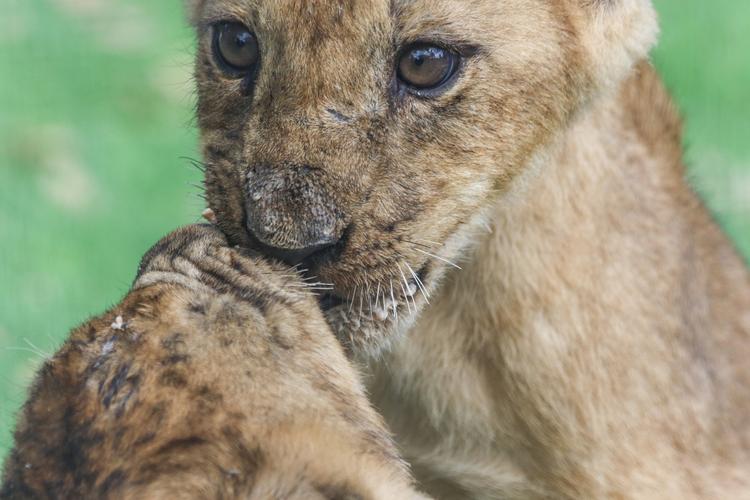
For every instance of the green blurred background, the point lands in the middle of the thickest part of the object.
(96, 121)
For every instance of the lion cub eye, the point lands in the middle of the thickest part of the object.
(423, 66)
(236, 48)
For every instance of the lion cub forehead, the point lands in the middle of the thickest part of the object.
(480, 22)
(294, 12)
(409, 19)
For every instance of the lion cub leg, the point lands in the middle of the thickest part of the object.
(216, 377)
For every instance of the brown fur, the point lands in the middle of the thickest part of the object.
(216, 377)
(594, 343)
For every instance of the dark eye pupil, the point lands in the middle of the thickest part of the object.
(237, 47)
(426, 66)
(243, 39)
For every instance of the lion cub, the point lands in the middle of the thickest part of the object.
(495, 189)
(216, 377)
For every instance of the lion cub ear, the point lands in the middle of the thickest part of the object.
(616, 34)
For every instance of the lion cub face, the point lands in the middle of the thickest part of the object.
(360, 139)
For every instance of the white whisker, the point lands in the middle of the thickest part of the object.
(26, 349)
(369, 295)
(320, 283)
(439, 258)
(30, 344)
(431, 242)
(419, 283)
(32, 349)
(395, 304)
(354, 296)
(403, 290)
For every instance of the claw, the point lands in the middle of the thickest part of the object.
(209, 215)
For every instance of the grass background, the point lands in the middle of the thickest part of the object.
(95, 115)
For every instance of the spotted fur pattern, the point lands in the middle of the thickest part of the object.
(216, 377)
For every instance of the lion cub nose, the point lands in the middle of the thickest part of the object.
(290, 212)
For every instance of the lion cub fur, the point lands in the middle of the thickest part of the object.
(215, 377)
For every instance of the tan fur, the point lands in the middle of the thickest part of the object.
(213, 378)
(594, 343)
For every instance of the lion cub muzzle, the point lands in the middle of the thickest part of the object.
(291, 214)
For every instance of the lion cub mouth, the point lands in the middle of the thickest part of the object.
(370, 308)
(386, 303)
(328, 301)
